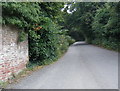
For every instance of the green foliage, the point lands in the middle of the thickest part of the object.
(43, 42)
(99, 23)
(70, 40)
(81, 19)
(47, 44)
(106, 26)
(77, 35)
(22, 15)
(22, 36)
(47, 39)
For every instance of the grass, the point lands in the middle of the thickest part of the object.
(17, 77)
(108, 48)
(3, 84)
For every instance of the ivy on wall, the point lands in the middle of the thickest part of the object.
(47, 39)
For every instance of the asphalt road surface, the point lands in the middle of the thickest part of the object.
(82, 67)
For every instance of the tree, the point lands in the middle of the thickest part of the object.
(42, 23)
(82, 18)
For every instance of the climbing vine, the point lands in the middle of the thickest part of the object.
(47, 39)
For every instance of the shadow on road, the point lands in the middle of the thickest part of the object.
(79, 43)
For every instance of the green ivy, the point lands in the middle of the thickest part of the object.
(22, 36)
(47, 40)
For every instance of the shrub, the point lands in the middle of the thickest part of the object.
(40, 21)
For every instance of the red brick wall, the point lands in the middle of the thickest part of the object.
(13, 54)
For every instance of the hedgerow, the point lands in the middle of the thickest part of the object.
(106, 26)
(99, 23)
(47, 39)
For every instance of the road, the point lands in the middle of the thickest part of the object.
(82, 67)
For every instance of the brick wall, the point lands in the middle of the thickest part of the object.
(13, 54)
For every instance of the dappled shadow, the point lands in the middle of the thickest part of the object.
(79, 43)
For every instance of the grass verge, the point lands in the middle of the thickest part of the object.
(17, 77)
(27, 71)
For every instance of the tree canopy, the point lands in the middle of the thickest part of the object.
(49, 25)
(47, 38)
(99, 23)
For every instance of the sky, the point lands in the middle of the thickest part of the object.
(68, 11)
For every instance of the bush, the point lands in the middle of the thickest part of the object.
(47, 41)
(47, 44)
(106, 26)
(70, 40)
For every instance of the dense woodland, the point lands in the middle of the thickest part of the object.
(53, 27)
(99, 23)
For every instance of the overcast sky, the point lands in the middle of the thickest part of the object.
(68, 11)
